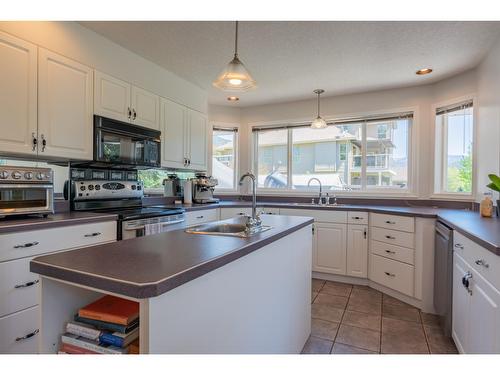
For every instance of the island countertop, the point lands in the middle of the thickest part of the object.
(146, 267)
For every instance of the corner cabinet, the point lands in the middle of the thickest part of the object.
(65, 112)
(18, 96)
(184, 135)
(121, 101)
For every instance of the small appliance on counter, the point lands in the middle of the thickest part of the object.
(203, 188)
(26, 191)
(172, 186)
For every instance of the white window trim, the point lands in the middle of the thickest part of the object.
(410, 192)
(229, 126)
(437, 192)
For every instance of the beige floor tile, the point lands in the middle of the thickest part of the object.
(366, 288)
(339, 348)
(410, 314)
(330, 300)
(324, 329)
(430, 319)
(313, 296)
(439, 343)
(368, 307)
(365, 295)
(362, 320)
(317, 284)
(402, 337)
(323, 312)
(388, 300)
(315, 345)
(358, 337)
(337, 289)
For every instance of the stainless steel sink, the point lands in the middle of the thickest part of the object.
(225, 229)
(318, 205)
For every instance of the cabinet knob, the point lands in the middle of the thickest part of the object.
(28, 244)
(28, 284)
(134, 114)
(390, 252)
(482, 262)
(44, 143)
(200, 217)
(465, 281)
(34, 141)
(129, 113)
(390, 222)
(390, 237)
(95, 234)
(390, 274)
(459, 246)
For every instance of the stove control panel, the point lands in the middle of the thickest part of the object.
(97, 189)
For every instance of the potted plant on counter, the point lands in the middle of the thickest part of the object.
(495, 185)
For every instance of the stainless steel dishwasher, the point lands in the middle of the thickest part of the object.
(443, 275)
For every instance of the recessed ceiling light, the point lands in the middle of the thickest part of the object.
(233, 98)
(424, 71)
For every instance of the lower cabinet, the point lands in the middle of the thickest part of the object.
(476, 310)
(330, 248)
(357, 251)
(19, 332)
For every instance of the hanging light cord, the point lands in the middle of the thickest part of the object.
(318, 102)
(236, 41)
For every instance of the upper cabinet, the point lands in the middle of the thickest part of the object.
(18, 96)
(119, 100)
(65, 112)
(184, 137)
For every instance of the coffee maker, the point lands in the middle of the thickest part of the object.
(172, 186)
(203, 188)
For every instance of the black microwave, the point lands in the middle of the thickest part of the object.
(120, 143)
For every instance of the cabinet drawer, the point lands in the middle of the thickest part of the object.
(18, 286)
(326, 216)
(483, 261)
(399, 253)
(393, 237)
(392, 274)
(403, 223)
(13, 329)
(200, 217)
(25, 244)
(357, 217)
(229, 212)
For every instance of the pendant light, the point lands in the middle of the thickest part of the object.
(318, 122)
(235, 77)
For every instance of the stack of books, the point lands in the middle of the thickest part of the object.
(109, 325)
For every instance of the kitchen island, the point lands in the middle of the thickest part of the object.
(197, 293)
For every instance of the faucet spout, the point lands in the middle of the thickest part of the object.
(255, 221)
(320, 200)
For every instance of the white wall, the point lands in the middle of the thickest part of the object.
(72, 40)
(488, 131)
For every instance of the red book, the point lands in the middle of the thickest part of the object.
(72, 349)
(111, 309)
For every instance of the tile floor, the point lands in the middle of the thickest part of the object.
(352, 319)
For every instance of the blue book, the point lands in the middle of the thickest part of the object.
(99, 324)
(118, 339)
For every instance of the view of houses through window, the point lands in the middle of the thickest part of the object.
(344, 156)
(224, 143)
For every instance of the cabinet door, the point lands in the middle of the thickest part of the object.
(484, 318)
(145, 108)
(65, 118)
(461, 305)
(329, 253)
(112, 97)
(197, 140)
(357, 250)
(18, 95)
(173, 124)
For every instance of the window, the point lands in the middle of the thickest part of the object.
(153, 178)
(224, 161)
(454, 149)
(361, 154)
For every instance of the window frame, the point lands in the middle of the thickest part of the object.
(229, 127)
(380, 191)
(438, 152)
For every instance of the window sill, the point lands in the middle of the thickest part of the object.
(451, 196)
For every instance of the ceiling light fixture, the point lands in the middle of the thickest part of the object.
(318, 122)
(233, 98)
(424, 71)
(236, 76)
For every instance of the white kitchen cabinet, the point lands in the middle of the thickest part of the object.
(329, 249)
(184, 137)
(460, 305)
(122, 101)
(201, 216)
(229, 212)
(396, 275)
(65, 114)
(19, 332)
(18, 96)
(357, 250)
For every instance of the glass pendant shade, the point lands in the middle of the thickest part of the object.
(318, 123)
(235, 77)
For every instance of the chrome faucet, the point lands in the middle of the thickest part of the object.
(253, 223)
(320, 200)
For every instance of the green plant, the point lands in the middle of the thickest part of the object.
(495, 182)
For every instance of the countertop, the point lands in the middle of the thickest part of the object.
(18, 224)
(148, 266)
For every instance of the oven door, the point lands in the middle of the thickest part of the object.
(17, 199)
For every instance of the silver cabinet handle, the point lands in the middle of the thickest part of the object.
(28, 336)
(95, 234)
(44, 142)
(390, 222)
(28, 284)
(356, 218)
(390, 252)
(466, 283)
(364, 234)
(482, 262)
(390, 274)
(28, 244)
(134, 114)
(459, 246)
(129, 113)
(390, 237)
(34, 141)
(200, 217)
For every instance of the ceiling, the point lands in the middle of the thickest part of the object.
(290, 59)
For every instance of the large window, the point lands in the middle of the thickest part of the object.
(454, 149)
(362, 154)
(224, 161)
